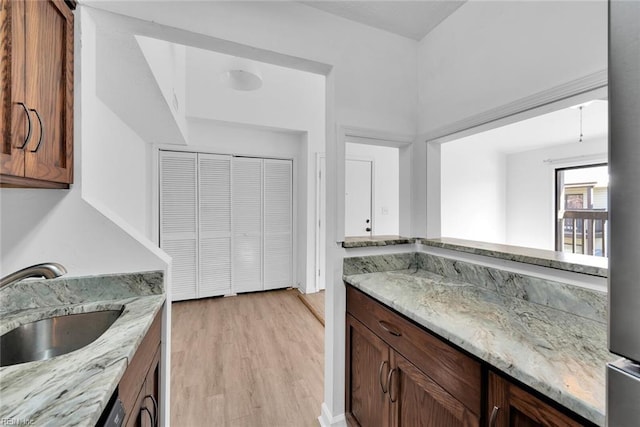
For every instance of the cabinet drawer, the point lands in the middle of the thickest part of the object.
(136, 373)
(457, 373)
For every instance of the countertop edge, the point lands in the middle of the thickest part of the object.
(79, 384)
(570, 402)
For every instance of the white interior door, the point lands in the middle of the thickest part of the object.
(247, 224)
(278, 224)
(358, 194)
(179, 220)
(214, 231)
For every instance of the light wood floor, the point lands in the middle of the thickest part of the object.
(315, 303)
(251, 360)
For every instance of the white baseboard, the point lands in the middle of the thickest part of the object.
(326, 419)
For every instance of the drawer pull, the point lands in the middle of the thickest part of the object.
(389, 386)
(393, 331)
(384, 362)
(494, 416)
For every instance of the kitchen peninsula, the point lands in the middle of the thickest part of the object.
(543, 338)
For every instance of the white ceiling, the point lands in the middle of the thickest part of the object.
(555, 128)
(411, 19)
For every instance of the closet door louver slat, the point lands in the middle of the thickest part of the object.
(277, 223)
(178, 220)
(247, 224)
(227, 223)
(214, 212)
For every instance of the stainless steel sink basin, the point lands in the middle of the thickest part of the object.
(47, 338)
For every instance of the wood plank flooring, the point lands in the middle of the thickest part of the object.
(251, 360)
(315, 303)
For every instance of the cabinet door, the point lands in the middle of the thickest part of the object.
(511, 406)
(14, 120)
(49, 90)
(367, 371)
(417, 400)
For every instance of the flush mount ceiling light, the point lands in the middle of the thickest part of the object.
(243, 75)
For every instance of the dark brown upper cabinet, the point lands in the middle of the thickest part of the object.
(36, 98)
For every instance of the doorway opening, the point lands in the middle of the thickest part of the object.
(372, 188)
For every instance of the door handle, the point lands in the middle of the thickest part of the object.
(389, 386)
(384, 362)
(29, 128)
(41, 130)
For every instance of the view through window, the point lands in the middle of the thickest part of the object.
(582, 195)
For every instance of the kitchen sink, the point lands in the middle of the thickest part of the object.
(54, 336)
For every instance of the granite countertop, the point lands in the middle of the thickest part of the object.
(559, 354)
(577, 263)
(73, 389)
(364, 242)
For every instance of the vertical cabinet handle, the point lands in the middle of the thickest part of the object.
(152, 415)
(144, 408)
(29, 128)
(41, 130)
(494, 416)
(384, 362)
(389, 386)
(155, 410)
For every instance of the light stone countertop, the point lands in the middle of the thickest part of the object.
(73, 389)
(559, 354)
(577, 263)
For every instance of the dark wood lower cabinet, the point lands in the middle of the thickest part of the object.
(386, 388)
(139, 388)
(400, 375)
(511, 406)
(417, 400)
(367, 401)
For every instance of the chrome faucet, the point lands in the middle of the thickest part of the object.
(48, 270)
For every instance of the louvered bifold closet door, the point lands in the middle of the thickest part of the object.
(278, 221)
(179, 220)
(247, 224)
(214, 213)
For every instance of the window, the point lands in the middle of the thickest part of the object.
(582, 195)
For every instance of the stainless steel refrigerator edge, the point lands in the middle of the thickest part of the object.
(623, 377)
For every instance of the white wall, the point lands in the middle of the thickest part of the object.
(473, 195)
(531, 191)
(386, 185)
(168, 65)
(290, 106)
(371, 84)
(60, 225)
(225, 138)
(375, 71)
(488, 54)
